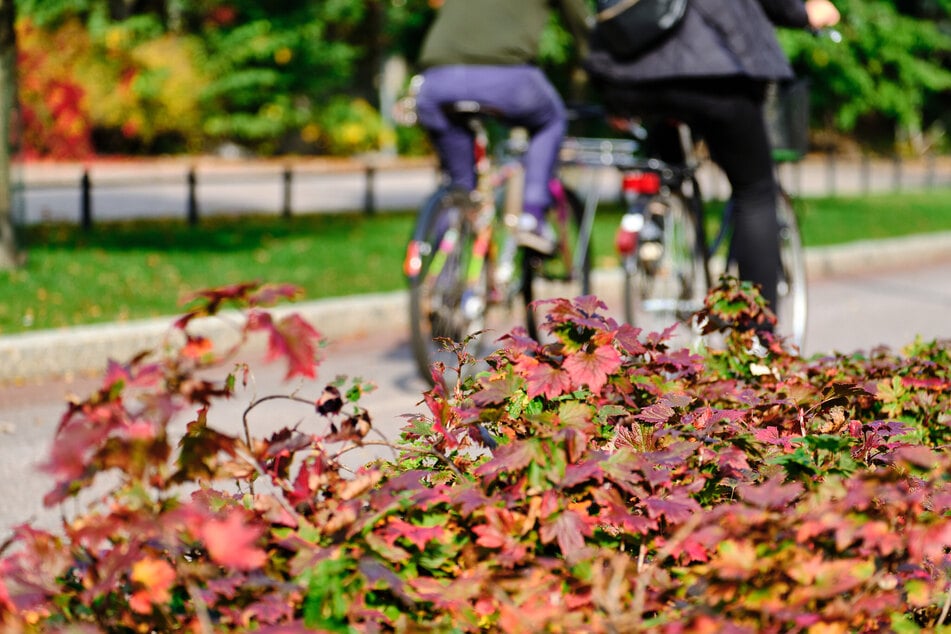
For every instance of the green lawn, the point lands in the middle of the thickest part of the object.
(131, 270)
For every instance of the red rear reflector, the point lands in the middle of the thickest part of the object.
(641, 182)
(413, 262)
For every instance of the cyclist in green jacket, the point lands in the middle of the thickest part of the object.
(486, 51)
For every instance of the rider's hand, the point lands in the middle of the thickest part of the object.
(822, 13)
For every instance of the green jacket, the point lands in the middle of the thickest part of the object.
(497, 32)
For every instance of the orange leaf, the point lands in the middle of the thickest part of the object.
(157, 577)
(230, 542)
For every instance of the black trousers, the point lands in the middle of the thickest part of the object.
(728, 114)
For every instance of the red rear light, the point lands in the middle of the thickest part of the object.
(413, 262)
(641, 182)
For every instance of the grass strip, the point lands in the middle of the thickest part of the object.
(137, 269)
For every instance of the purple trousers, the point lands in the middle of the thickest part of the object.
(522, 94)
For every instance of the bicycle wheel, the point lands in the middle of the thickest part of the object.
(564, 274)
(443, 303)
(664, 278)
(449, 266)
(791, 299)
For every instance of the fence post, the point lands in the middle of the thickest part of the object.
(192, 203)
(897, 175)
(866, 169)
(288, 177)
(85, 201)
(369, 200)
(830, 173)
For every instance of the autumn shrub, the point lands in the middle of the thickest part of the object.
(120, 88)
(345, 126)
(145, 91)
(53, 108)
(604, 481)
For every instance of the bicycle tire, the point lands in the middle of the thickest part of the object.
(563, 274)
(444, 305)
(792, 297)
(661, 291)
(436, 297)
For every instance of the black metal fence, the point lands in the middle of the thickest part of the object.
(371, 186)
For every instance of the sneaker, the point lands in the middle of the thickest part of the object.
(539, 236)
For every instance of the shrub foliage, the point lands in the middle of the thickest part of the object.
(603, 481)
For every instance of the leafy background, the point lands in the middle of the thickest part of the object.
(158, 76)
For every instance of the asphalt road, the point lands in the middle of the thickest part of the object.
(848, 312)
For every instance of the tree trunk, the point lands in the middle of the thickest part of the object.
(9, 256)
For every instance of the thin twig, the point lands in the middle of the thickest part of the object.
(946, 608)
(201, 610)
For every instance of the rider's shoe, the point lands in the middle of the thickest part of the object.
(537, 235)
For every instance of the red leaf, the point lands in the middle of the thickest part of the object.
(918, 456)
(500, 533)
(772, 494)
(212, 300)
(443, 416)
(656, 414)
(270, 294)
(938, 385)
(627, 337)
(582, 311)
(733, 463)
(615, 513)
(230, 542)
(290, 337)
(197, 348)
(696, 546)
(674, 508)
(770, 436)
(583, 472)
(508, 459)
(543, 379)
(592, 368)
(156, 577)
(419, 536)
(569, 529)
(289, 628)
(6, 603)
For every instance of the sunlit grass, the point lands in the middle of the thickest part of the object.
(133, 270)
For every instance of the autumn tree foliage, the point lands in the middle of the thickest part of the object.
(55, 119)
(604, 481)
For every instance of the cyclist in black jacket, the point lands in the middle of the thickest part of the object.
(712, 73)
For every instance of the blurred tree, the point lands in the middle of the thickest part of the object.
(891, 68)
(276, 71)
(9, 256)
(274, 64)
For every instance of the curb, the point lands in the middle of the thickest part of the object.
(87, 349)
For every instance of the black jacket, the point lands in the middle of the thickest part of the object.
(716, 38)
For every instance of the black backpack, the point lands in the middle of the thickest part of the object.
(630, 27)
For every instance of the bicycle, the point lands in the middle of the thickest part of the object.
(668, 259)
(467, 275)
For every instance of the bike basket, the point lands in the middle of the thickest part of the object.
(787, 119)
(597, 152)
